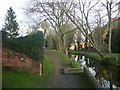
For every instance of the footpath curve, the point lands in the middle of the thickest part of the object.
(61, 80)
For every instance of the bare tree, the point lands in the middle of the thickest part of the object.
(82, 21)
(60, 14)
(54, 13)
(110, 8)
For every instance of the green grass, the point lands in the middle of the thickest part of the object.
(84, 81)
(62, 55)
(87, 54)
(77, 52)
(116, 54)
(93, 56)
(108, 60)
(70, 63)
(48, 48)
(26, 80)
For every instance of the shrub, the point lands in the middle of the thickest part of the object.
(109, 60)
(75, 64)
(31, 45)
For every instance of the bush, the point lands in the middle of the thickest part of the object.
(75, 65)
(109, 60)
(31, 45)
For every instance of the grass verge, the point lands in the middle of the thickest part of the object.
(108, 60)
(26, 80)
(83, 79)
(70, 63)
(87, 54)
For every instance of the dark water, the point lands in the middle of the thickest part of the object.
(108, 76)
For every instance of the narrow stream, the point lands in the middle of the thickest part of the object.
(108, 76)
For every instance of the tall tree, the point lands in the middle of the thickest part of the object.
(109, 6)
(11, 25)
(54, 13)
(81, 19)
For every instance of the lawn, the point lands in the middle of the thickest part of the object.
(26, 80)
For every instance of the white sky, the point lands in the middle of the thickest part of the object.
(17, 6)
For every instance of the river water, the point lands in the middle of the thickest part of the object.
(108, 76)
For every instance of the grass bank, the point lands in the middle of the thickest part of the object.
(26, 80)
(69, 62)
(87, 54)
(110, 60)
(84, 80)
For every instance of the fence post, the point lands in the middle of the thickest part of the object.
(40, 69)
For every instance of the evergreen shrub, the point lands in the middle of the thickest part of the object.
(30, 45)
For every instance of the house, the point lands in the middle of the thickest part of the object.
(75, 45)
(115, 24)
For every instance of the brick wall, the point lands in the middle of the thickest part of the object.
(14, 61)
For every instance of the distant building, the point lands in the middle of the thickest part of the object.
(114, 25)
(78, 45)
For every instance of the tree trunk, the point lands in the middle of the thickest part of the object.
(78, 43)
(63, 45)
(110, 34)
(110, 29)
(86, 41)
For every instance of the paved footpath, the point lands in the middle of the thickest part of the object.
(61, 80)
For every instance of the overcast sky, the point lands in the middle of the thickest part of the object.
(17, 6)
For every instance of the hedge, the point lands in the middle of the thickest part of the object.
(30, 45)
